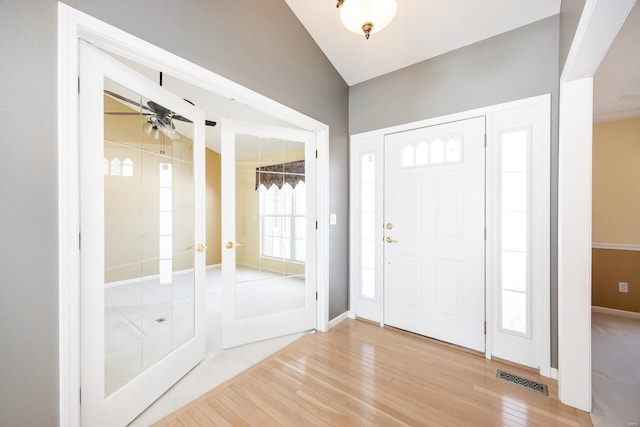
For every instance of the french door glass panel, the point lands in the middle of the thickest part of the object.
(149, 228)
(270, 226)
(141, 216)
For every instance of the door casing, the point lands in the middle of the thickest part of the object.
(72, 26)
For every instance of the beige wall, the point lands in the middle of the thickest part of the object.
(213, 213)
(610, 267)
(616, 213)
(616, 182)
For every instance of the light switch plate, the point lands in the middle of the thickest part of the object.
(623, 287)
(333, 219)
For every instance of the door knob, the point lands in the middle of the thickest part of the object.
(389, 239)
(201, 247)
(229, 245)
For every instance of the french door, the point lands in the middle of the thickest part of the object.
(268, 232)
(142, 239)
(434, 220)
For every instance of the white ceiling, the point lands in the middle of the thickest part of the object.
(420, 30)
(616, 84)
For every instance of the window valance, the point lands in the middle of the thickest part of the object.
(279, 174)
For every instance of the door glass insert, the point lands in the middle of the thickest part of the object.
(368, 225)
(271, 221)
(514, 244)
(149, 234)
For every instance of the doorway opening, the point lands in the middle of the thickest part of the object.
(75, 25)
(508, 211)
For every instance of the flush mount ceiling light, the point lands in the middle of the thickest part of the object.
(366, 16)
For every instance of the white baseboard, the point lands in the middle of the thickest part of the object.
(351, 314)
(554, 373)
(616, 246)
(615, 312)
(213, 267)
(333, 322)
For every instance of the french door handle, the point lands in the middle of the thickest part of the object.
(389, 239)
(231, 245)
(201, 248)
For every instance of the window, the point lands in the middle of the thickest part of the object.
(165, 204)
(283, 221)
(115, 166)
(432, 153)
(127, 167)
(368, 225)
(514, 243)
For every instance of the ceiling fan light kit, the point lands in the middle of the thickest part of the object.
(366, 16)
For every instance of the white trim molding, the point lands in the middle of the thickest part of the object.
(72, 26)
(333, 322)
(615, 312)
(616, 247)
(599, 24)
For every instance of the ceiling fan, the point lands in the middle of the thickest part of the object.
(159, 118)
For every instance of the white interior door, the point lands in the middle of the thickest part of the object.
(434, 273)
(142, 235)
(268, 232)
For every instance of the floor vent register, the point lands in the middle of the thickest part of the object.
(524, 382)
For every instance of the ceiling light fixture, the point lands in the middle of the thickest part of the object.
(366, 16)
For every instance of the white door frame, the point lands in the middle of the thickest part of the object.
(599, 25)
(73, 25)
(541, 254)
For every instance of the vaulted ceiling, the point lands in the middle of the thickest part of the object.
(423, 29)
(420, 30)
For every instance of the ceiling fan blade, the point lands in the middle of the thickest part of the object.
(181, 118)
(126, 113)
(122, 98)
(184, 119)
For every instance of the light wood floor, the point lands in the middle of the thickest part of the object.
(359, 374)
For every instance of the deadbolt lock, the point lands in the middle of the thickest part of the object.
(389, 226)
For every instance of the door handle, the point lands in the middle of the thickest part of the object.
(389, 239)
(231, 245)
(201, 248)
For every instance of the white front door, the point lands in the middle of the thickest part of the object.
(268, 232)
(142, 234)
(434, 219)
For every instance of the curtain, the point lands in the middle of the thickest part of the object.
(279, 174)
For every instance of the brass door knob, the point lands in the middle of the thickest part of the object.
(201, 248)
(389, 239)
(229, 245)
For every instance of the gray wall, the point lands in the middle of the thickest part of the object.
(510, 66)
(257, 43)
(570, 13)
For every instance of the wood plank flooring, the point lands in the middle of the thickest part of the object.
(359, 374)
